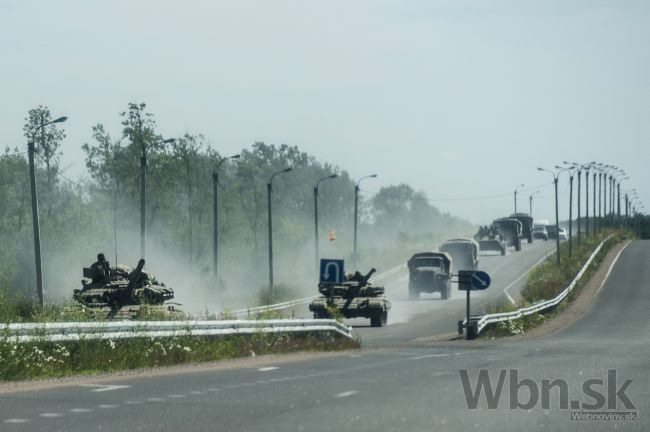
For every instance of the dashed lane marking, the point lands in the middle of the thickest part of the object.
(97, 388)
(16, 420)
(79, 410)
(50, 415)
(429, 356)
(267, 368)
(346, 394)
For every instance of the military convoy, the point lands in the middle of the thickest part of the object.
(526, 225)
(489, 238)
(356, 297)
(430, 272)
(463, 252)
(122, 292)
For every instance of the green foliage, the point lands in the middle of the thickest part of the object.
(102, 213)
(547, 280)
(47, 359)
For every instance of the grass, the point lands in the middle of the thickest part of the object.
(20, 361)
(547, 280)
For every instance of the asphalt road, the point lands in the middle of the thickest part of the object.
(394, 388)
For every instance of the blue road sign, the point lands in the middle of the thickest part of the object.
(480, 280)
(331, 270)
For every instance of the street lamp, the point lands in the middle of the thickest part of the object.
(355, 258)
(530, 202)
(571, 170)
(215, 217)
(333, 176)
(557, 216)
(36, 226)
(269, 190)
(143, 188)
(517, 187)
(579, 168)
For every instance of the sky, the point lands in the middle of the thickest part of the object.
(461, 99)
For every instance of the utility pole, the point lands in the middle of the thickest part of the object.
(355, 256)
(143, 187)
(521, 185)
(317, 254)
(556, 176)
(269, 192)
(215, 219)
(35, 218)
(570, 212)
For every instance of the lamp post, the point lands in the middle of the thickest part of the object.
(333, 176)
(355, 258)
(35, 222)
(516, 188)
(530, 202)
(557, 215)
(215, 218)
(571, 173)
(269, 190)
(143, 188)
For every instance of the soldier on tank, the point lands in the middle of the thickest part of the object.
(101, 270)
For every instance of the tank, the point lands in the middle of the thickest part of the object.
(123, 296)
(354, 298)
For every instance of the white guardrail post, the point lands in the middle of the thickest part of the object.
(482, 321)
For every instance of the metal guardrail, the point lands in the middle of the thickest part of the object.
(74, 331)
(252, 311)
(481, 321)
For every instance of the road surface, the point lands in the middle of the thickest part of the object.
(415, 387)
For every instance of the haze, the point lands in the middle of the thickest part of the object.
(460, 99)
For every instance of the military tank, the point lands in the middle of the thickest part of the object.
(122, 293)
(353, 298)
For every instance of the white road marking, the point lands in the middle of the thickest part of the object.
(438, 374)
(106, 406)
(155, 399)
(131, 402)
(429, 356)
(609, 270)
(176, 396)
(346, 394)
(16, 420)
(80, 410)
(105, 387)
(268, 368)
(505, 290)
(50, 415)
(197, 392)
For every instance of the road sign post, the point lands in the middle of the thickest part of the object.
(331, 271)
(471, 280)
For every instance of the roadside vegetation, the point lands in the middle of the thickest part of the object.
(20, 361)
(547, 280)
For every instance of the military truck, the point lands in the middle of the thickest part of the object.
(490, 239)
(124, 293)
(430, 272)
(510, 230)
(463, 252)
(356, 297)
(526, 225)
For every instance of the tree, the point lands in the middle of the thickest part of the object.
(47, 140)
